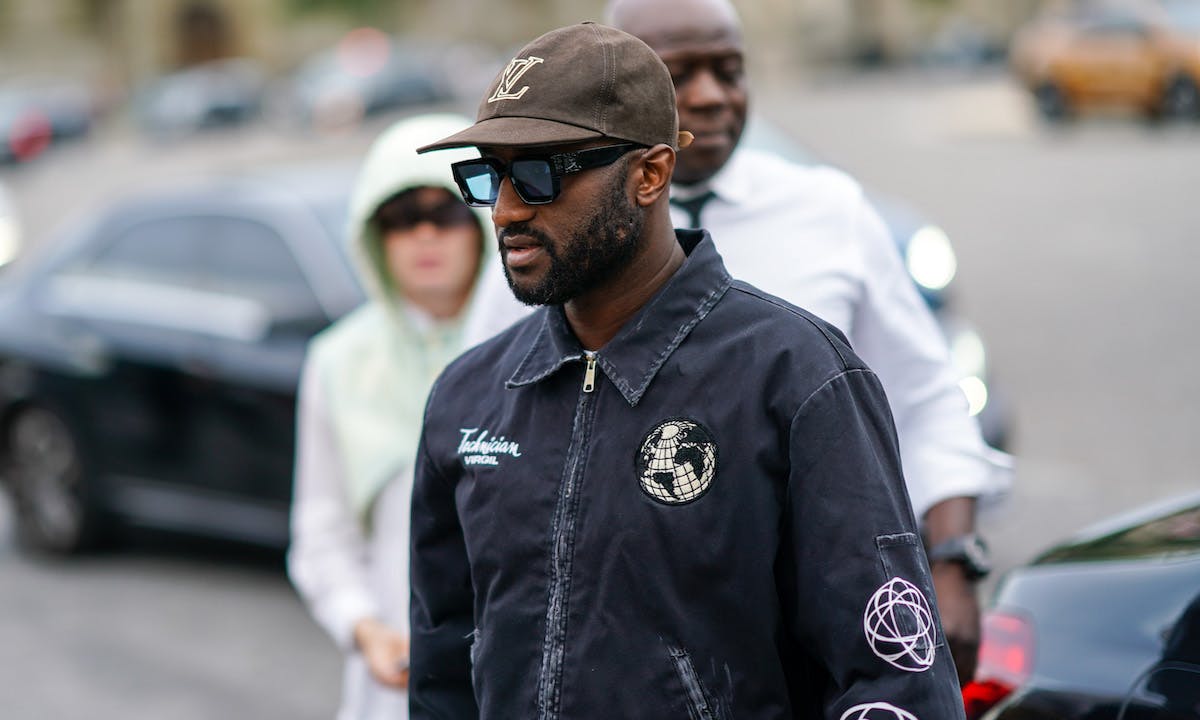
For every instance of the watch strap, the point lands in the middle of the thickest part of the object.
(968, 550)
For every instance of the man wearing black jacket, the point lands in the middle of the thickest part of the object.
(665, 494)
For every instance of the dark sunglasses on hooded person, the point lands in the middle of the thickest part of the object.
(408, 209)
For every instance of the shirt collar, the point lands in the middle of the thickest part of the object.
(633, 357)
(733, 183)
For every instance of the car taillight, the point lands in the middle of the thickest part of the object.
(1005, 662)
(979, 696)
(30, 135)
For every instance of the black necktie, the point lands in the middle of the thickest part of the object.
(693, 206)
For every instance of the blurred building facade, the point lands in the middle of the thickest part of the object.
(126, 42)
(122, 43)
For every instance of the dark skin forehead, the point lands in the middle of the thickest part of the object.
(681, 29)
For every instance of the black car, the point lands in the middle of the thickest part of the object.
(216, 94)
(1105, 626)
(149, 361)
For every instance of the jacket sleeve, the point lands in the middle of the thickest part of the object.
(327, 558)
(855, 586)
(898, 337)
(441, 608)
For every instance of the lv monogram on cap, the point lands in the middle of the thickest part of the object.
(512, 74)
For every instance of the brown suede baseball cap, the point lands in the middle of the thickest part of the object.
(581, 82)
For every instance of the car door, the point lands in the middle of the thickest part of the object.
(1115, 60)
(128, 303)
(247, 417)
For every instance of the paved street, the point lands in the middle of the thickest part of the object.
(1077, 253)
(162, 629)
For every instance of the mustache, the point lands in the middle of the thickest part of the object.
(521, 229)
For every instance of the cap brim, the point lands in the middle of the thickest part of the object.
(514, 132)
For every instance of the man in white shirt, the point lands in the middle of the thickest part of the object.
(809, 236)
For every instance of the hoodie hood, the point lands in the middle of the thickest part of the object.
(376, 365)
(392, 166)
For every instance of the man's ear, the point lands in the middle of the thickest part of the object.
(652, 174)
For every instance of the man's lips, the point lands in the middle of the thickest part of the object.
(710, 138)
(519, 242)
(521, 251)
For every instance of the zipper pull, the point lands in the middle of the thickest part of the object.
(589, 375)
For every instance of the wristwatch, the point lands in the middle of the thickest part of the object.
(968, 550)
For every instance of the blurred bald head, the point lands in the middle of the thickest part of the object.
(701, 43)
(663, 20)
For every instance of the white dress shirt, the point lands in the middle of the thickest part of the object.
(808, 235)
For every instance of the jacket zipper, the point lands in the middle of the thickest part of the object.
(589, 374)
(562, 549)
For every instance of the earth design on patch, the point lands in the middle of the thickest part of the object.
(676, 462)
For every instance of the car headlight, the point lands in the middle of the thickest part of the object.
(977, 393)
(967, 353)
(930, 258)
(970, 360)
(10, 240)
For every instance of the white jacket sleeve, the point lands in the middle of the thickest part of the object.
(941, 447)
(328, 558)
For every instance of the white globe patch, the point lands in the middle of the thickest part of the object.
(677, 462)
(877, 711)
(899, 626)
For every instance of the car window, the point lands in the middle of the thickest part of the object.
(163, 251)
(249, 259)
(153, 273)
(221, 260)
(332, 213)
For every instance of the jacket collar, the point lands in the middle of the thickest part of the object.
(633, 357)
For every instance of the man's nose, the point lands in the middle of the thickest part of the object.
(509, 207)
(702, 90)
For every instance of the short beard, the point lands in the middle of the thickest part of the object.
(606, 244)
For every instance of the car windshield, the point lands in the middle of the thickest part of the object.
(324, 191)
(333, 213)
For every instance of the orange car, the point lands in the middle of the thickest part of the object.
(1146, 58)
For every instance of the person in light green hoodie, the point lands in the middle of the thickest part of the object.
(418, 249)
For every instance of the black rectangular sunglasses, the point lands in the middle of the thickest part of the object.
(535, 178)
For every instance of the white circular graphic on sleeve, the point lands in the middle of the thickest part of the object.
(877, 711)
(899, 626)
(676, 461)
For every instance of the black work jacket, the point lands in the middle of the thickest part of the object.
(704, 519)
